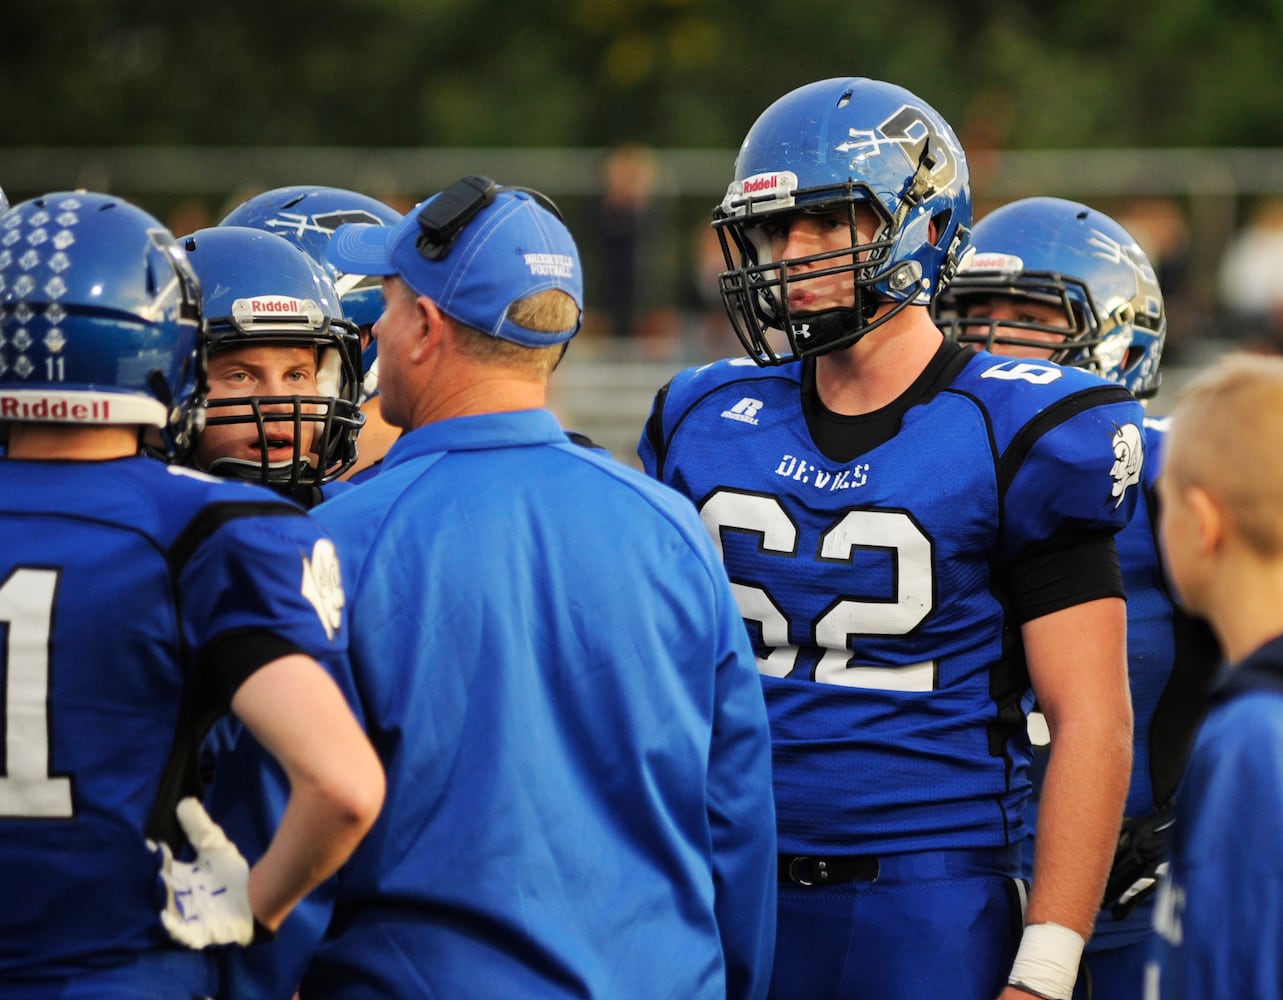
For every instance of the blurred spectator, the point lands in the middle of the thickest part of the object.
(708, 335)
(627, 233)
(1250, 283)
(1161, 227)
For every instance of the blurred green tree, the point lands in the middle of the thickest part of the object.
(594, 73)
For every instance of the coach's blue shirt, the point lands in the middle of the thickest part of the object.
(557, 680)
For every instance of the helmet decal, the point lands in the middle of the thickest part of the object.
(911, 131)
(868, 157)
(99, 319)
(296, 224)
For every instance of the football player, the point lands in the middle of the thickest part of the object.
(284, 365)
(1055, 279)
(916, 532)
(284, 379)
(138, 602)
(307, 215)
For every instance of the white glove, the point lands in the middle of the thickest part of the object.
(208, 899)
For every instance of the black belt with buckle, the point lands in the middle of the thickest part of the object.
(808, 869)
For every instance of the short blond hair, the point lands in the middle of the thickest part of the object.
(1227, 438)
(550, 311)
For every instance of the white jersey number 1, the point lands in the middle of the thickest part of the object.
(26, 617)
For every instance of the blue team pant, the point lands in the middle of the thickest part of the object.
(932, 924)
(166, 974)
(1115, 973)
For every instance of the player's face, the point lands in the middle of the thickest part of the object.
(267, 370)
(1004, 310)
(803, 235)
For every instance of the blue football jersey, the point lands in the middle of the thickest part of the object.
(874, 589)
(369, 472)
(1219, 919)
(120, 583)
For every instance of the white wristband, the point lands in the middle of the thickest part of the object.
(1047, 963)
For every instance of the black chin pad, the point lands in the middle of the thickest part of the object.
(827, 331)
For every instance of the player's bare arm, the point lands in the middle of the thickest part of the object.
(297, 712)
(1077, 665)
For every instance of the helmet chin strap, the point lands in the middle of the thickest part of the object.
(830, 330)
(835, 329)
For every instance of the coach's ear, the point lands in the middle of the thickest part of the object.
(432, 323)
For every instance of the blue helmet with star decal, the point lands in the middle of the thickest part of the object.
(100, 319)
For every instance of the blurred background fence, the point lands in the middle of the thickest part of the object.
(641, 216)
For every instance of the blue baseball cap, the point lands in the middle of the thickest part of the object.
(513, 247)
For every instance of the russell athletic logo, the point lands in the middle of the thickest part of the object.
(744, 411)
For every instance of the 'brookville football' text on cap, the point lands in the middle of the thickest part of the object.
(512, 248)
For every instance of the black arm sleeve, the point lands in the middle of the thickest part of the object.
(227, 663)
(1069, 569)
(230, 660)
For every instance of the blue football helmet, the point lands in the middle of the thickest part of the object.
(1063, 253)
(262, 290)
(307, 215)
(100, 319)
(824, 148)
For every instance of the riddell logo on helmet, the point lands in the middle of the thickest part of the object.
(762, 182)
(61, 410)
(276, 304)
(993, 261)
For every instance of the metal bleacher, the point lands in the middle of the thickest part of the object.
(607, 395)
